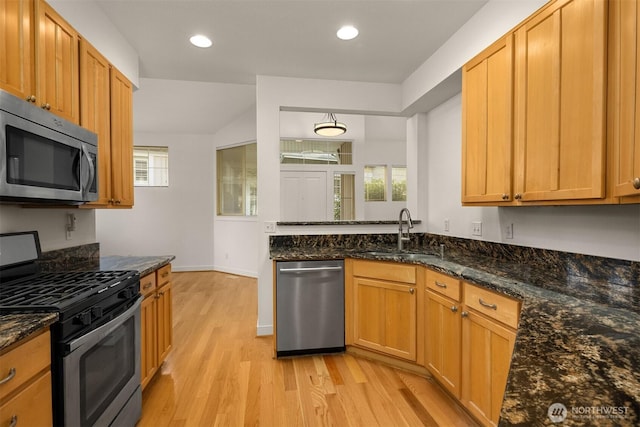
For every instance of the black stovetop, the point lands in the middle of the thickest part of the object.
(58, 291)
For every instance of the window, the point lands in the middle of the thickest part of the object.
(375, 183)
(399, 184)
(315, 152)
(344, 203)
(151, 166)
(237, 174)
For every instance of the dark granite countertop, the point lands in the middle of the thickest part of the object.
(578, 341)
(17, 326)
(143, 264)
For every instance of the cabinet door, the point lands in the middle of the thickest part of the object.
(560, 109)
(121, 140)
(30, 407)
(165, 322)
(385, 317)
(443, 333)
(487, 136)
(56, 64)
(95, 112)
(624, 98)
(486, 348)
(16, 48)
(148, 334)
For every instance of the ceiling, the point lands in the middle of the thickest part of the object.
(289, 38)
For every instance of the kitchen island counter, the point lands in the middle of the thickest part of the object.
(578, 341)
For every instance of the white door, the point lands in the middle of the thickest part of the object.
(303, 196)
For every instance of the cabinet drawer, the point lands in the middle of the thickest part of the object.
(443, 284)
(391, 271)
(164, 275)
(491, 304)
(30, 407)
(23, 362)
(147, 284)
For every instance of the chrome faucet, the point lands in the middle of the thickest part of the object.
(401, 236)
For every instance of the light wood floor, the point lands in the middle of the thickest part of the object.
(220, 374)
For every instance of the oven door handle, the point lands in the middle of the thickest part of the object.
(98, 334)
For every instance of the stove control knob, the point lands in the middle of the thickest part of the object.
(84, 318)
(96, 311)
(126, 293)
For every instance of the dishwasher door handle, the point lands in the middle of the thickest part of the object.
(308, 269)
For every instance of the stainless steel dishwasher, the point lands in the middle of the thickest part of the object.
(309, 307)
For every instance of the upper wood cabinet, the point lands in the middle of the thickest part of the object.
(535, 110)
(16, 48)
(560, 109)
(624, 98)
(95, 113)
(56, 50)
(39, 57)
(487, 126)
(106, 100)
(121, 140)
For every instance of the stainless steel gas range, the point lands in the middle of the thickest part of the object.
(95, 345)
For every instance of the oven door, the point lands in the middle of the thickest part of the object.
(102, 374)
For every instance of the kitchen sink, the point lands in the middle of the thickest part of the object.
(410, 256)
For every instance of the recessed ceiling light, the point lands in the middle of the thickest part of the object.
(347, 32)
(200, 41)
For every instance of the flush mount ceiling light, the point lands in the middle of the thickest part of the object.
(200, 41)
(347, 32)
(330, 126)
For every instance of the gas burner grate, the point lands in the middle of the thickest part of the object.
(56, 291)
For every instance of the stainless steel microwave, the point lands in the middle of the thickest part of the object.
(44, 158)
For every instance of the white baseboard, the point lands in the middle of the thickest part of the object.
(179, 268)
(237, 271)
(264, 330)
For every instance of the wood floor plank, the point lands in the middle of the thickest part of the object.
(220, 374)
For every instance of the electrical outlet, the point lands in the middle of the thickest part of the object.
(269, 227)
(508, 231)
(446, 225)
(476, 228)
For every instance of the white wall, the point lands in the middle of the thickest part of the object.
(235, 239)
(607, 231)
(175, 220)
(50, 224)
(89, 20)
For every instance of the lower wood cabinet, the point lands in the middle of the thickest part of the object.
(156, 319)
(487, 347)
(469, 337)
(461, 333)
(25, 383)
(382, 307)
(443, 330)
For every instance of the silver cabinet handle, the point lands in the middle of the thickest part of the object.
(14, 421)
(488, 305)
(441, 285)
(454, 308)
(147, 286)
(518, 196)
(636, 183)
(31, 98)
(12, 373)
(304, 269)
(464, 314)
(411, 291)
(505, 196)
(46, 106)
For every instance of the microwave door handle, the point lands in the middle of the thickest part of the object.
(92, 171)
